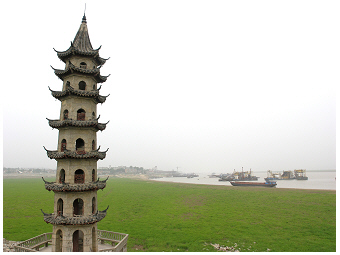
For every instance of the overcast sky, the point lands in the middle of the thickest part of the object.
(206, 86)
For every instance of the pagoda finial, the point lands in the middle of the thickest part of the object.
(84, 17)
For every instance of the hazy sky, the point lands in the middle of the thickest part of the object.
(206, 86)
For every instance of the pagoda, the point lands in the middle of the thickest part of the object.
(76, 212)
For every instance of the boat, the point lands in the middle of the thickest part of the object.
(286, 175)
(244, 176)
(256, 184)
(300, 174)
(192, 175)
(213, 175)
(226, 177)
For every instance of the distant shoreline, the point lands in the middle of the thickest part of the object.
(237, 187)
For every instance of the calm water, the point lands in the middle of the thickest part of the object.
(316, 180)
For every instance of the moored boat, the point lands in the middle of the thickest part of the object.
(243, 176)
(285, 175)
(192, 175)
(226, 177)
(260, 184)
(300, 174)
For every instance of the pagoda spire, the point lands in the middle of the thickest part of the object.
(82, 46)
(82, 39)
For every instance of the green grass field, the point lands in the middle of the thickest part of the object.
(161, 216)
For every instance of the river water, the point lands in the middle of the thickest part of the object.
(322, 179)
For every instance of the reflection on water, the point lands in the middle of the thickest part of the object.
(316, 180)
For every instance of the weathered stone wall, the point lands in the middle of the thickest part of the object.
(73, 104)
(90, 242)
(71, 165)
(76, 60)
(69, 197)
(72, 134)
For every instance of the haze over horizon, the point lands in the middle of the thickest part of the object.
(206, 86)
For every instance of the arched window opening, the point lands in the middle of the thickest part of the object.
(93, 205)
(79, 176)
(93, 145)
(63, 145)
(81, 114)
(93, 175)
(77, 240)
(78, 207)
(65, 115)
(93, 115)
(62, 176)
(94, 87)
(80, 146)
(59, 241)
(60, 207)
(83, 65)
(82, 85)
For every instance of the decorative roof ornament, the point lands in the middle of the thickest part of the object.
(84, 19)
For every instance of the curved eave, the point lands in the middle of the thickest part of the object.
(76, 154)
(71, 91)
(95, 73)
(94, 54)
(80, 220)
(76, 123)
(65, 187)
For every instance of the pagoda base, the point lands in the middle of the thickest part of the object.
(107, 242)
(101, 248)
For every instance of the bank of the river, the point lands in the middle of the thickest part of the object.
(162, 216)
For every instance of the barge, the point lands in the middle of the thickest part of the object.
(259, 184)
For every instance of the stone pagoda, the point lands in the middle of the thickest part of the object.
(76, 211)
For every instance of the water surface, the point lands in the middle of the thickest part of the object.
(321, 179)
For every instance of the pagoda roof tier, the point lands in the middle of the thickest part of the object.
(71, 68)
(77, 123)
(72, 50)
(81, 93)
(76, 187)
(76, 220)
(95, 154)
(81, 45)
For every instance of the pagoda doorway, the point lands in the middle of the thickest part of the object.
(59, 241)
(78, 239)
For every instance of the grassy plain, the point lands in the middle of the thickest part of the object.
(161, 216)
